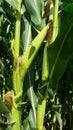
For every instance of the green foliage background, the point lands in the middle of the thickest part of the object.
(59, 59)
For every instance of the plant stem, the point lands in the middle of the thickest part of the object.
(17, 83)
(55, 20)
(16, 114)
(16, 76)
(41, 111)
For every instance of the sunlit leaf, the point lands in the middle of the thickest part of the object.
(26, 34)
(34, 10)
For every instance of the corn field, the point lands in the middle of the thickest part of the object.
(36, 65)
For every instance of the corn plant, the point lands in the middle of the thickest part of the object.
(36, 47)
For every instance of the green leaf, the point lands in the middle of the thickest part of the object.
(5, 111)
(34, 10)
(67, 1)
(61, 50)
(0, 2)
(1, 6)
(3, 107)
(31, 120)
(29, 123)
(28, 83)
(8, 128)
(26, 124)
(1, 122)
(26, 29)
(13, 3)
(1, 67)
(69, 8)
(59, 119)
(33, 99)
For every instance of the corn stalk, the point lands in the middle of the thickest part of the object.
(19, 71)
(17, 86)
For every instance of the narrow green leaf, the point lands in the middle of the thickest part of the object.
(31, 120)
(33, 100)
(26, 29)
(28, 83)
(59, 119)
